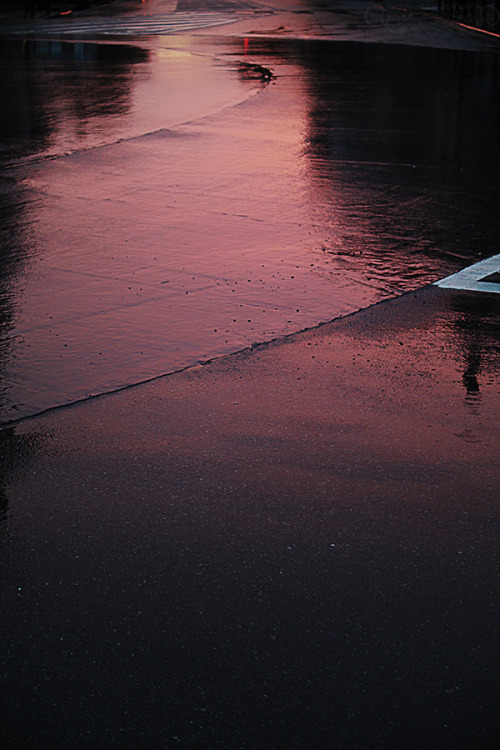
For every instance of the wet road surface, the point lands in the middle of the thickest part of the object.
(292, 547)
(167, 202)
(295, 545)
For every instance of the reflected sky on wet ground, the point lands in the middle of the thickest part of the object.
(156, 213)
(294, 546)
(67, 96)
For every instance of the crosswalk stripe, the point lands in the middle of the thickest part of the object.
(475, 278)
(161, 24)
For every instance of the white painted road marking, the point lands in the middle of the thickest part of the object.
(169, 23)
(474, 277)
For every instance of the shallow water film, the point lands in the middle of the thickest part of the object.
(294, 546)
(173, 200)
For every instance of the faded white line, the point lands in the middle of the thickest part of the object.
(170, 23)
(474, 277)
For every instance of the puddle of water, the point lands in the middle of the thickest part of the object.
(66, 96)
(355, 175)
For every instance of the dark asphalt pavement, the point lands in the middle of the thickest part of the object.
(292, 547)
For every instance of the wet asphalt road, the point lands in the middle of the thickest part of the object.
(291, 547)
(172, 203)
(296, 545)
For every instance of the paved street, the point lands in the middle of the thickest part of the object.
(276, 525)
(288, 547)
(184, 197)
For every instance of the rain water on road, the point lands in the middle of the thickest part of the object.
(168, 201)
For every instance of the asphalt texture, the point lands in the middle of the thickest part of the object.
(296, 546)
(293, 546)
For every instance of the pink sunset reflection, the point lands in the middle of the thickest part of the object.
(210, 197)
